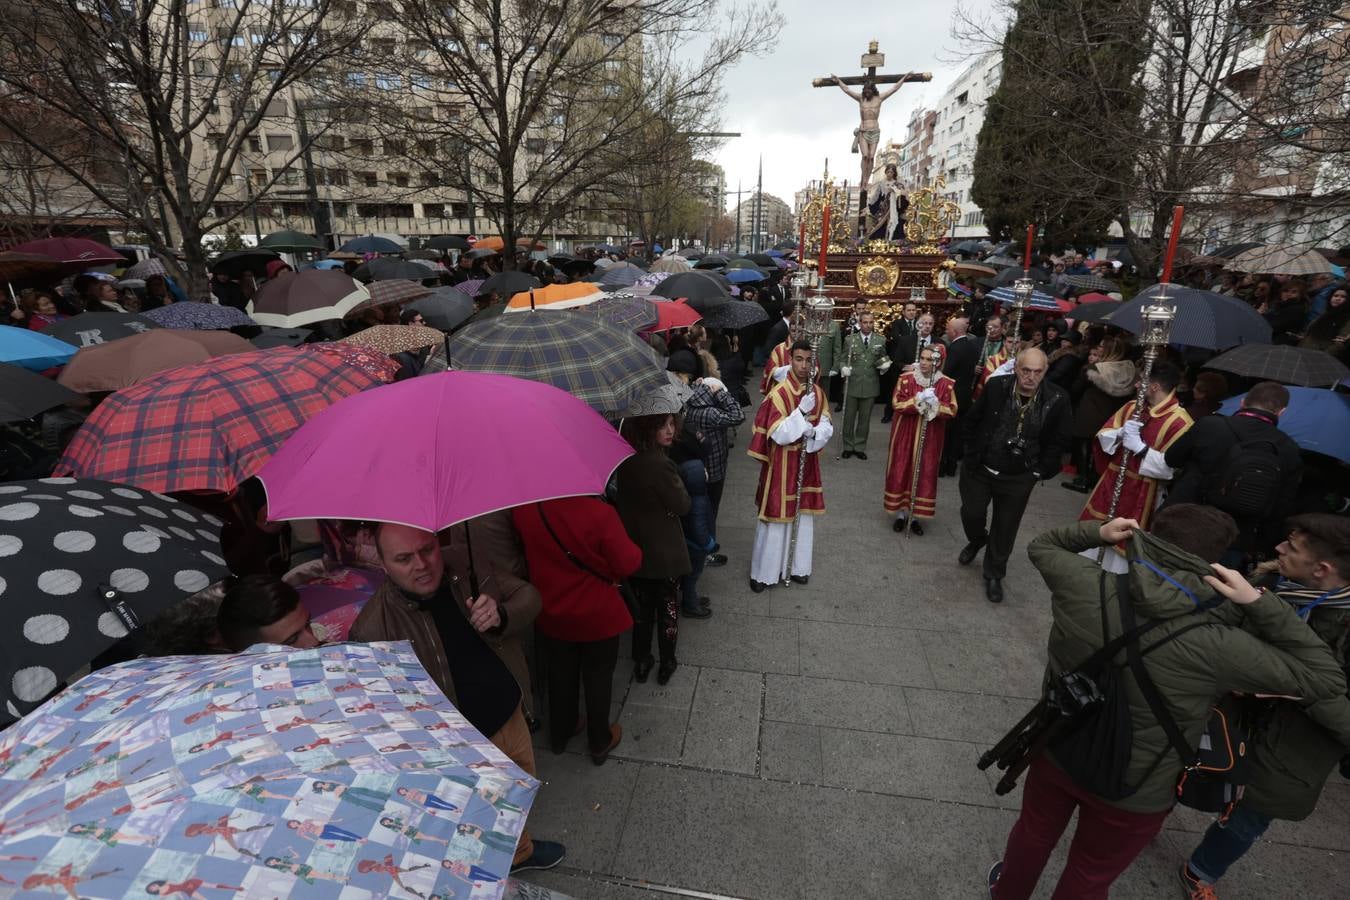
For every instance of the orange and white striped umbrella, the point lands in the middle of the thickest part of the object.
(556, 296)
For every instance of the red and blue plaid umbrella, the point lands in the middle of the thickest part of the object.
(209, 427)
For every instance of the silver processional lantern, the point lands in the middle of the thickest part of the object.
(1158, 318)
(819, 316)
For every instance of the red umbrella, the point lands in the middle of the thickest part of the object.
(210, 426)
(73, 251)
(675, 314)
(1095, 298)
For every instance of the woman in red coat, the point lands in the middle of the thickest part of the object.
(578, 551)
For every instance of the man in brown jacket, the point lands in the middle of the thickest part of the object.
(469, 645)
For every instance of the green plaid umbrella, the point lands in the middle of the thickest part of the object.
(1288, 365)
(601, 365)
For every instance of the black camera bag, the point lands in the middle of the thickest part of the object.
(1094, 747)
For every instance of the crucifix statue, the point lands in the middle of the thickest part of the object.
(867, 135)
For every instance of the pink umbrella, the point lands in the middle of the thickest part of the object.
(73, 251)
(436, 450)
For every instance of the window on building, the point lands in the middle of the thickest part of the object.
(235, 75)
(337, 177)
(963, 98)
(395, 147)
(380, 10)
(421, 82)
(1278, 159)
(197, 33)
(255, 144)
(257, 39)
(610, 90)
(363, 146)
(482, 44)
(277, 107)
(356, 79)
(333, 142)
(369, 179)
(453, 111)
(229, 37)
(387, 82)
(433, 210)
(534, 145)
(1303, 78)
(280, 142)
(610, 39)
(258, 177)
(215, 141)
(344, 9)
(399, 179)
(431, 179)
(202, 67)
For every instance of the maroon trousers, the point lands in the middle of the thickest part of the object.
(1105, 843)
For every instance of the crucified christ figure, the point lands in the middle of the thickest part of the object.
(868, 133)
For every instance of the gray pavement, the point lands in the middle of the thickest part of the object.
(820, 740)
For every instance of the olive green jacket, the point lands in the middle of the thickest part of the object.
(863, 355)
(1270, 651)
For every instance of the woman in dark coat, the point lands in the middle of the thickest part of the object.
(651, 498)
(1106, 382)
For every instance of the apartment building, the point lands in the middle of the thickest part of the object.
(959, 116)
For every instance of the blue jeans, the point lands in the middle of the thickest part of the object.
(1225, 843)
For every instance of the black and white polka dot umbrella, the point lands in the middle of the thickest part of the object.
(82, 563)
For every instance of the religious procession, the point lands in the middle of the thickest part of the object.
(491, 567)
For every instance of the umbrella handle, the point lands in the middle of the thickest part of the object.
(473, 573)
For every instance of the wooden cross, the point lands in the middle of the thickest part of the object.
(871, 60)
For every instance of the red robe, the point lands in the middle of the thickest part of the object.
(904, 443)
(1163, 424)
(779, 356)
(990, 366)
(775, 498)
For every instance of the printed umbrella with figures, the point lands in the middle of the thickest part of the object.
(84, 562)
(337, 771)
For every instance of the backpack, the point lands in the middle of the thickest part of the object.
(1247, 484)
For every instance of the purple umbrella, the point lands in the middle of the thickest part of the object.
(531, 442)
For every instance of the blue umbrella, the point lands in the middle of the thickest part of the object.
(1204, 318)
(1038, 299)
(323, 264)
(626, 276)
(371, 244)
(1317, 420)
(744, 276)
(32, 350)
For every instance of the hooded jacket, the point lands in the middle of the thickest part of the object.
(1108, 384)
(1259, 648)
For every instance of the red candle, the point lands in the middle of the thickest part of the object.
(1177, 212)
(1026, 258)
(801, 241)
(824, 242)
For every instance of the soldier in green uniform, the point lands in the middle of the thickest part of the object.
(862, 360)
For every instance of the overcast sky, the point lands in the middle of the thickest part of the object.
(795, 126)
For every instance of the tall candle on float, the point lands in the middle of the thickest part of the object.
(1026, 257)
(824, 243)
(1177, 213)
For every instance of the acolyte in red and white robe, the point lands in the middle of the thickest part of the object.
(781, 434)
(778, 356)
(1144, 472)
(901, 461)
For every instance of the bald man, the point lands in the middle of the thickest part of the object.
(1015, 435)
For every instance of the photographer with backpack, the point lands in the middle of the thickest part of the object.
(1117, 763)
(1244, 465)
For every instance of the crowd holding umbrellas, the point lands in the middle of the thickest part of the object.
(372, 387)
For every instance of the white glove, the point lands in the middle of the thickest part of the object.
(928, 395)
(780, 372)
(885, 364)
(807, 404)
(834, 372)
(1133, 442)
(846, 371)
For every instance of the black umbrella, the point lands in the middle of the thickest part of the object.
(291, 242)
(91, 328)
(388, 269)
(1228, 251)
(448, 242)
(371, 244)
(762, 260)
(711, 262)
(1094, 312)
(447, 308)
(24, 394)
(997, 260)
(1288, 365)
(734, 315)
(692, 253)
(1203, 318)
(507, 284)
(235, 262)
(281, 337)
(704, 294)
(966, 247)
(482, 253)
(1087, 283)
(1009, 275)
(87, 563)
